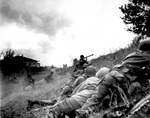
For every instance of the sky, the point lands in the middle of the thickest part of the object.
(54, 32)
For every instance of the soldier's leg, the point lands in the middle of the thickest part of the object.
(88, 108)
(47, 102)
(66, 106)
(31, 103)
(90, 103)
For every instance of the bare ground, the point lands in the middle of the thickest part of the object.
(14, 99)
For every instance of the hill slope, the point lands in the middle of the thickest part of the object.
(14, 104)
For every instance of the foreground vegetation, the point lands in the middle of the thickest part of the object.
(14, 105)
(136, 16)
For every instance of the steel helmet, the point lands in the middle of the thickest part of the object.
(102, 72)
(90, 71)
(81, 56)
(144, 45)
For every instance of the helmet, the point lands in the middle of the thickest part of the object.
(81, 56)
(90, 71)
(102, 72)
(144, 45)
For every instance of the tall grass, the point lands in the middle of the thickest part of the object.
(45, 91)
(113, 58)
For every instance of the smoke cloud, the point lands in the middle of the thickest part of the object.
(42, 15)
(29, 26)
(52, 31)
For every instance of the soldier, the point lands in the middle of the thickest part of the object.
(49, 77)
(28, 81)
(81, 64)
(88, 72)
(77, 100)
(67, 91)
(135, 68)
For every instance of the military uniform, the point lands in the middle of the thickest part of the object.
(75, 102)
(67, 91)
(81, 64)
(81, 93)
(135, 68)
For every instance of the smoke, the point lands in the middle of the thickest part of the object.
(42, 15)
(29, 26)
(43, 29)
(26, 42)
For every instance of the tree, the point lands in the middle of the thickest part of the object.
(9, 53)
(137, 17)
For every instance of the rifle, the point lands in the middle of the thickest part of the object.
(84, 58)
(88, 56)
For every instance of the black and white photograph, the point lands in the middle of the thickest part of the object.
(74, 58)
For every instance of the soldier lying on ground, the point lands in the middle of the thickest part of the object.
(67, 90)
(69, 105)
(76, 78)
(134, 71)
(70, 90)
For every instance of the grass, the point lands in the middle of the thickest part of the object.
(113, 58)
(14, 103)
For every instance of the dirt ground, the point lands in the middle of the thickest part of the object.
(14, 98)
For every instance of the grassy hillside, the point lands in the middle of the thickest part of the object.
(113, 58)
(14, 104)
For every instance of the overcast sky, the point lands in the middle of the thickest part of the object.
(56, 31)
